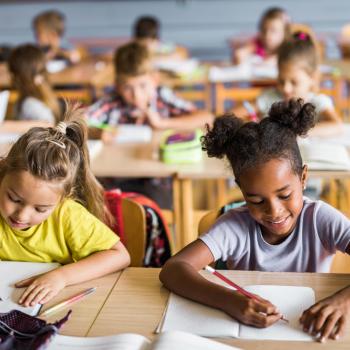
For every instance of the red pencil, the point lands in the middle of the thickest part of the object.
(236, 286)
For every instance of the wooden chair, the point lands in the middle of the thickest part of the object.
(340, 264)
(333, 86)
(199, 94)
(82, 95)
(234, 94)
(134, 219)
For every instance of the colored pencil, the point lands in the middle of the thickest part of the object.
(68, 301)
(235, 285)
(251, 112)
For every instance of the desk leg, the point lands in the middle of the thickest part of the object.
(177, 214)
(188, 233)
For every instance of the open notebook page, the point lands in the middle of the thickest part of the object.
(291, 301)
(12, 272)
(113, 342)
(183, 314)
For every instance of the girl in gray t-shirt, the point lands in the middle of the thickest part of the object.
(277, 230)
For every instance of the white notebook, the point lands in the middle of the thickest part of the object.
(133, 134)
(321, 155)
(128, 341)
(183, 314)
(12, 272)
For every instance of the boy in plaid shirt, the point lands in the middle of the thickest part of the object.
(138, 99)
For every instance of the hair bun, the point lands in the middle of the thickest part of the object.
(220, 136)
(294, 114)
(302, 36)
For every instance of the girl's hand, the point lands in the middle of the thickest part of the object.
(328, 317)
(41, 288)
(258, 313)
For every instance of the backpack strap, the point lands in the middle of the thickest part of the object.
(113, 199)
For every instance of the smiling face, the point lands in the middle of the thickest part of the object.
(26, 200)
(274, 196)
(294, 81)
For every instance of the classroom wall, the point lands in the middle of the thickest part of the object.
(201, 25)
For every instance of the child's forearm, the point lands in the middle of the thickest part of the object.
(181, 278)
(94, 266)
(194, 120)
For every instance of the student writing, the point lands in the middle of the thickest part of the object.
(274, 28)
(51, 207)
(139, 99)
(277, 229)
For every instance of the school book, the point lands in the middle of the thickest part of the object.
(184, 314)
(323, 155)
(12, 272)
(128, 341)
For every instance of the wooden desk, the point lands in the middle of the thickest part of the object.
(82, 74)
(137, 302)
(85, 311)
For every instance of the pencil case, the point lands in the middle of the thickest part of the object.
(181, 147)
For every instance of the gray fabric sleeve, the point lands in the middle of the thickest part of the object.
(34, 109)
(227, 236)
(332, 226)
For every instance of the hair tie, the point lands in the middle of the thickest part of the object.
(303, 36)
(55, 142)
(62, 127)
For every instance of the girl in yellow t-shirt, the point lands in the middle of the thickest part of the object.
(50, 210)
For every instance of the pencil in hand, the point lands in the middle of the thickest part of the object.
(236, 286)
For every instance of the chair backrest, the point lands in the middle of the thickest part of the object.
(134, 220)
(198, 94)
(207, 220)
(233, 94)
(83, 95)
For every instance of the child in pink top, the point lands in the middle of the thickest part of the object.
(274, 27)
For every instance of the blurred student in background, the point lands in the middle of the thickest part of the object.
(146, 31)
(37, 102)
(49, 28)
(274, 28)
(139, 99)
(299, 77)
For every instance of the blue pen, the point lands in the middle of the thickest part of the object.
(251, 112)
